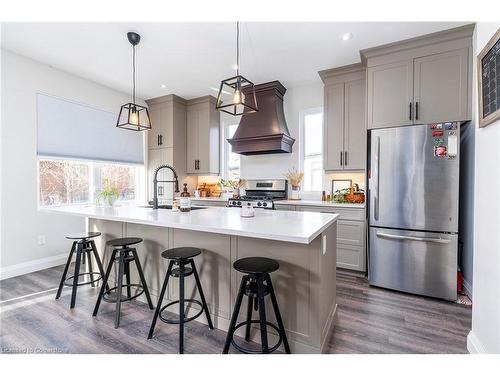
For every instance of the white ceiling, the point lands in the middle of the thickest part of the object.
(191, 58)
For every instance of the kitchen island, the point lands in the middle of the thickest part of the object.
(304, 243)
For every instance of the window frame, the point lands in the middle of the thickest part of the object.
(302, 145)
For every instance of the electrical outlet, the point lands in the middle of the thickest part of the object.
(41, 240)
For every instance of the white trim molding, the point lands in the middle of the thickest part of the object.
(32, 266)
(474, 346)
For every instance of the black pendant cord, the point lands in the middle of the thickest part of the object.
(237, 48)
(133, 74)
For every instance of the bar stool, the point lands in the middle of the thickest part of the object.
(84, 247)
(252, 285)
(180, 256)
(126, 255)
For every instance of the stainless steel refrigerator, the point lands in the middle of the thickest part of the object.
(413, 209)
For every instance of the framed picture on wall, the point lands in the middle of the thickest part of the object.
(488, 70)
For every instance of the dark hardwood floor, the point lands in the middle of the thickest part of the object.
(369, 320)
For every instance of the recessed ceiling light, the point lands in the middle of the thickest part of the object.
(347, 36)
(163, 86)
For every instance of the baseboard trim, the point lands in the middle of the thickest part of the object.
(474, 346)
(32, 266)
(467, 288)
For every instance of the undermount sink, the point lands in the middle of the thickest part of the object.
(169, 207)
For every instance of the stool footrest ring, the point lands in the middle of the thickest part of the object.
(249, 351)
(106, 296)
(176, 321)
(67, 283)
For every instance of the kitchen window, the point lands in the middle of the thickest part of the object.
(63, 181)
(311, 148)
(231, 165)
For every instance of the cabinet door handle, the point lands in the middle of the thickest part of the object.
(198, 161)
(410, 112)
(160, 140)
(416, 111)
(341, 155)
(195, 164)
(345, 157)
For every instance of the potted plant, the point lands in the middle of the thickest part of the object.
(295, 178)
(108, 195)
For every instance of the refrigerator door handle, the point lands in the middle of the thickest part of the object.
(411, 238)
(376, 174)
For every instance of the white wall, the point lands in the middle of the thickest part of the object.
(485, 334)
(21, 223)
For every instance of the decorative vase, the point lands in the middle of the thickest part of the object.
(295, 192)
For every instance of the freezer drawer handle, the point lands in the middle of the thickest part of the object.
(411, 238)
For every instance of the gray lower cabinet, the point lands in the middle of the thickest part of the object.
(351, 234)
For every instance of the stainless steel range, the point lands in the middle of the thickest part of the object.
(261, 194)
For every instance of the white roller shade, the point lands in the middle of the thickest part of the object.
(75, 131)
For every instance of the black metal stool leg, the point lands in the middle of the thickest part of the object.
(202, 296)
(98, 261)
(79, 247)
(234, 317)
(181, 307)
(160, 299)
(127, 277)
(278, 314)
(104, 282)
(119, 283)
(65, 272)
(262, 314)
(249, 318)
(143, 280)
(89, 262)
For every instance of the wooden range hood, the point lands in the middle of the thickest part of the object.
(265, 131)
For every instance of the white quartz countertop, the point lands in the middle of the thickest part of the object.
(289, 226)
(317, 203)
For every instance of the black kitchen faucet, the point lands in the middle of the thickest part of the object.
(175, 181)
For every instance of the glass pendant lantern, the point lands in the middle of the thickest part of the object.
(133, 116)
(237, 94)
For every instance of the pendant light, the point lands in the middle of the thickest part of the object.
(237, 94)
(133, 116)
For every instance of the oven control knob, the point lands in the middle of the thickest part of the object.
(260, 204)
(264, 204)
(233, 203)
(239, 203)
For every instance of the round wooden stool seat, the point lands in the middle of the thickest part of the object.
(256, 265)
(82, 235)
(178, 253)
(123, 242)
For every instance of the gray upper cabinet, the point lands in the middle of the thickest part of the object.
(203, 123)
(355, 125)
(344, 118)
(441, 87)
(333, 126)
(390, 94)
(421, 80)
